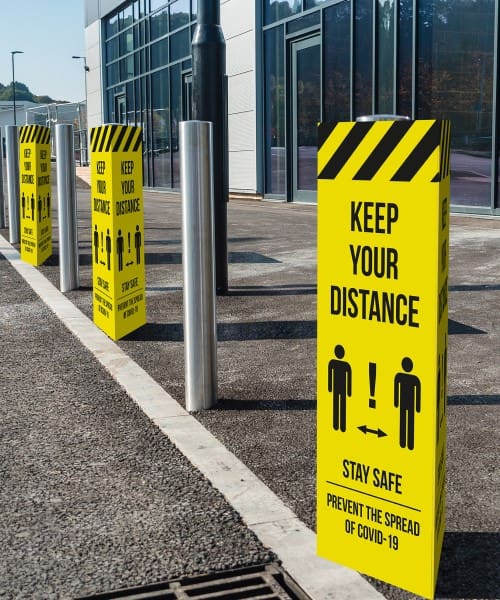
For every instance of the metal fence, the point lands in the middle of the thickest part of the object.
(73, 113)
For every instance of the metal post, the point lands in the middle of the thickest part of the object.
(209, 103)
(12, 151)
(66, 187)
(2, 197)
(200, 338)
(370, 118)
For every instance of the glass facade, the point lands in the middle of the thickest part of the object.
(321, 60)
(380, 56)
(147, 57)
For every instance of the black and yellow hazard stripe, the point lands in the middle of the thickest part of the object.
(115, 138)
(38, 134)
(384, 150)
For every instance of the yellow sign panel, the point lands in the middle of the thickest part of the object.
(35, 206)
(383, 204)
(119, 298)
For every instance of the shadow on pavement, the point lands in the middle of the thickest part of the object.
(469, 565)
(230, 332)
(175, 258)
(457, 328)
(231, 404)
(471, 400)
(280, 290)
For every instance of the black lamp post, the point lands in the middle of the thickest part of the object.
(14, 81)
(210, 104)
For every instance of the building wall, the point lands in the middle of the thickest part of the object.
(94, 75)
(238, 26)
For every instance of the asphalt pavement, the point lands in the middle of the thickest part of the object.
(95, 496)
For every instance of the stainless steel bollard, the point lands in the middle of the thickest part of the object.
(369, 118)
(66, 197)
(12, 151)
(2, 197)
(200, 338)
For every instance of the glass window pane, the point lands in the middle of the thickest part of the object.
(112, 26)
(312, 3)
(159, 24)
(126, 17)
(112, 74)
(455, 81)
(127, 41)
(112, 50)
(363, 52)
(161, 128)
(274, 10)
(337, 34)
(157, 4)
(385, 56)
(405, 62)
(194, 10)
(303, 22)
(159, 54)
(179, 14)
(176, 117)
(180, 44)
(127, 68)
(274, 111)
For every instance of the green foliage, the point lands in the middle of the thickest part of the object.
(22, 93)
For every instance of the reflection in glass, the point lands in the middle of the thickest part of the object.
(112, 74)
(405, 58)
(274, 110)
(274, 10)
(126, 17)
(455, 81)
(176, 118)
(159, 24)
(179, 14)
(313, 3)
(336, 87)
(385, 56)
(160, 128)
(308, 114)
(180, 45)
(112, 26)
(112, 49)
(363, 35)
(303, 22)
(157, 4)
(159, 53)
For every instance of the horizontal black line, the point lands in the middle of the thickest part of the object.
(373, 496)
(134, 291)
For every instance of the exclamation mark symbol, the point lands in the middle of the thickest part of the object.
(372, 374)
(129, 242)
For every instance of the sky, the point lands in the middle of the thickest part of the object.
(49, 32)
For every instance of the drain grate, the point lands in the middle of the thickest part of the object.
(263, 582)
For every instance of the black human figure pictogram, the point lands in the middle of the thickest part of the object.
(39, 208)
(340, 383)
(43, 207)
(96, 245)
(23, 204)
(407, 399)
(119, 249)
(48, 205)
(138, 244)
(108, 248)
(32, 202)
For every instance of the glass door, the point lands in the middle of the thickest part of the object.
(305, 114)
(120, 109)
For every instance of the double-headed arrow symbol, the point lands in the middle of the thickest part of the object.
(378, 432)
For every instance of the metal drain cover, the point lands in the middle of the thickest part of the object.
(262, 582)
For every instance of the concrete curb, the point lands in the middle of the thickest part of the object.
(264, 513)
